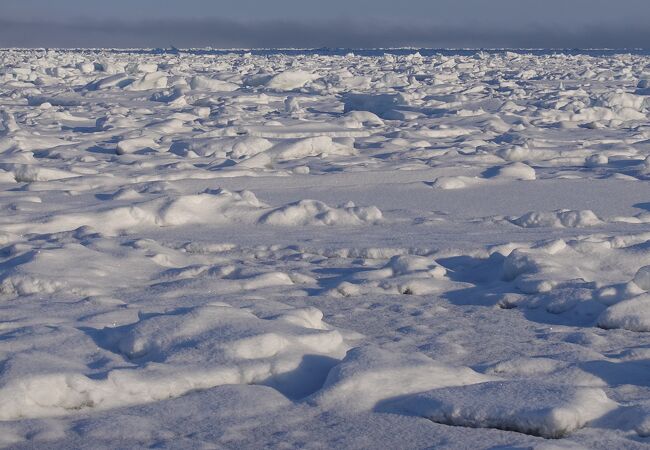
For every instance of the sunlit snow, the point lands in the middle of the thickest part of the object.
(324, 249)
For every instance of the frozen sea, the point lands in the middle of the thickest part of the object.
(351, 249)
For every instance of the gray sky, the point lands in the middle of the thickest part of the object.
(332, 23)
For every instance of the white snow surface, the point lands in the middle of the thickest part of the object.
(204, 249)
(534, 408)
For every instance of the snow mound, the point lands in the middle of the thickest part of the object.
(563, 218)
(211, 84)
(296, 149)
(525, 366)
(215, 207)
(643, 87)
(18, 285)
(47, 270)
(596, 160)
(180, 351)
(249, 146)
(290, 80)
(617, 100)
(547, 410)
(537, 270)
(118, 80)
(312, 146)
(313, 212)
(132, 145)
(154, 80)
(517, 171)
(402, 274)
(382, 105)
(218, 206)
(222, 147)
(363, 118)
(632, 315)
(454, 182)
(369, 375)
(642, 278)
(27, 173)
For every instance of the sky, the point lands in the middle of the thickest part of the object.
(326, 23)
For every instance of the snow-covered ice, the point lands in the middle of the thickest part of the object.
(207, 249)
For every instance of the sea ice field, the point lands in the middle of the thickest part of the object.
(390, 250)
